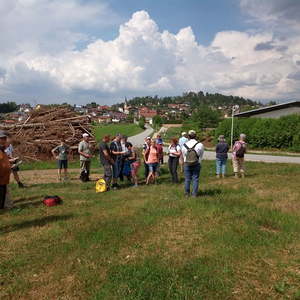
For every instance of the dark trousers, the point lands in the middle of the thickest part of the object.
(3, 190)
(121, 175)
(173, 165)
(107, 174)
(146, 170)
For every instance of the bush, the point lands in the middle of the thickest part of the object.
(282, 133)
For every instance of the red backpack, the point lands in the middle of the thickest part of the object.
(52, 200)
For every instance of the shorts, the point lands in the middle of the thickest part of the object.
(153, 167)
(134, 168)
(62, 164)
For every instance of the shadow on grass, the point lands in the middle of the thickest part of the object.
(210, 192)
(34, 223)
(27, 199)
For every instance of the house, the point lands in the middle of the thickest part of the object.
(273, 111)
(147, 113)
(105, 119)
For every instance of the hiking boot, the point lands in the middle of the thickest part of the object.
(223, 175)
(236, 175)
(243, 175)
(218, 176)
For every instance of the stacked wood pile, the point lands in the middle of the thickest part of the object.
(44, 129)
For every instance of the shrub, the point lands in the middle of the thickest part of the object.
(282, 133)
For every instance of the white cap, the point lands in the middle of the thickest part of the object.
(192, 132)
(85, 135)
(184, 133)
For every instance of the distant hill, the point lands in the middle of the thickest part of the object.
(194, 100)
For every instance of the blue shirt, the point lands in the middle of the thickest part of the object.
(182, 141)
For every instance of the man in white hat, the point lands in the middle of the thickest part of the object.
(192, 152)
(84, 149)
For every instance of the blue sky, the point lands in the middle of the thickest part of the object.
(103, 50)
(205, 17)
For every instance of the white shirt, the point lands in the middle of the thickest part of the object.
(173, 150)
(199, 149)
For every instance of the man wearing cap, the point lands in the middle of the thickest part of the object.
(84, 149)
(192, 152)
(183, 139)
(5, 169)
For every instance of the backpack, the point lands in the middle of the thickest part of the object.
(241, 151)
(52, 200)
(191, 157)
(101, 186)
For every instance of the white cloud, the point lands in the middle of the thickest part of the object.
(142, 60)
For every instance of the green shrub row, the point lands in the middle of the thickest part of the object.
(282, 133)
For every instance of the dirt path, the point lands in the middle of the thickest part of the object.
(50, 176)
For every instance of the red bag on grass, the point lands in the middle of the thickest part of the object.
(52, 200)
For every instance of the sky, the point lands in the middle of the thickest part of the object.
(81, 51)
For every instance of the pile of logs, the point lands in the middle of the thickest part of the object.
(44, 129)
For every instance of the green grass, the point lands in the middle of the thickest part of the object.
(173, 132)
(238, 240)
(113, 129)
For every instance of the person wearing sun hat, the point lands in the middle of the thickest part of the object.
(192, 152)
(5, 169)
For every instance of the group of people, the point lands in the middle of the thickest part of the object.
(121, 159)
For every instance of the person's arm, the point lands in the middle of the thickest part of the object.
(107, 156)
(201, 151)
(178, 151)
(53, 152)
(80, 149)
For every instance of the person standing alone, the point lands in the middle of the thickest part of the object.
(192, 152)
(62, 159)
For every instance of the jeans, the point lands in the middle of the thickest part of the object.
(191, 174)
(116, 168)
(173, 165)
(221, 165)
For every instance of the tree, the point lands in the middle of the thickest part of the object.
(142, 123)
(205, 117)
(157, 121)
(8, 107)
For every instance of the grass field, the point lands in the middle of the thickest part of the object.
(238, 240)
(173, 132)
(113, 129)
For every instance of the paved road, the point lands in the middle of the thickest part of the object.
(138, 140)
(211, 155)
